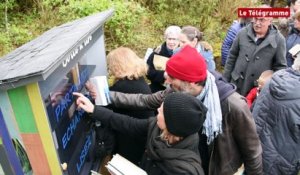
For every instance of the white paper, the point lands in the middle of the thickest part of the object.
(295, 50)
(121, 166)
(147, 54)
(160, 62)
(102, 90)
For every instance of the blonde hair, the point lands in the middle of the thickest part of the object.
(169, 138)
(124, 63)
(297, 15)
(265, 75)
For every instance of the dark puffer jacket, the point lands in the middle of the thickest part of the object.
(228, 40)
(277, 116)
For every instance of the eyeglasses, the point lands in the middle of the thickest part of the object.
(260, 20)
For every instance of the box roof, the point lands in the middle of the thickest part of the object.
(37, 59)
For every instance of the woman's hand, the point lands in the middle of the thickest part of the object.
(84, 103)
(91, 88)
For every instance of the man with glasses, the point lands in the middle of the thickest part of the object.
(258, 47)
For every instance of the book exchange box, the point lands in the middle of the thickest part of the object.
(40, 128)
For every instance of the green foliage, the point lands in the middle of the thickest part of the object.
(127, 17)
(188, 12)
(5, 45)
(5, 38)
(120, 30)
(81, 8)
(19, 35)
(14, 38)
(10, 4)
(53, 3)
(5, 7)
(137, 24)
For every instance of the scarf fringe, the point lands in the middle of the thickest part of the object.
(212, 125)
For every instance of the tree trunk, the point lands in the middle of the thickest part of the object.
(272, 3)
(5, 15)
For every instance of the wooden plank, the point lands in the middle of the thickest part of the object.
(4, 162)
(22, 110)
(8, 154)
(43, 126)
(9, 116)
(36, 154)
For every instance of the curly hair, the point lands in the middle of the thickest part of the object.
(124, 63)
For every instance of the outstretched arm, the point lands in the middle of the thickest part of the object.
(140, 101)
(137, 101)
(118, 122)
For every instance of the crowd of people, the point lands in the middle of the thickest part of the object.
(207, 122)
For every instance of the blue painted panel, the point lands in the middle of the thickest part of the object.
(9, 148)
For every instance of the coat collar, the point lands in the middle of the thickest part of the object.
(269, 40)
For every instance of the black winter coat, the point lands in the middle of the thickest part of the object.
(186, 148)
(157, 76)
(129, 147)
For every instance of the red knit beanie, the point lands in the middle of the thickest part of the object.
(187, 65)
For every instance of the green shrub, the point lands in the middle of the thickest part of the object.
(5, 43)
(121, 28)
(137, 24)
(13, 38)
